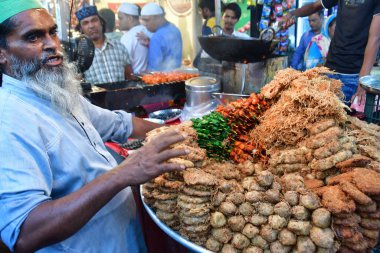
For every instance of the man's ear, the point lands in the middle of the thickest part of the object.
(3, 58)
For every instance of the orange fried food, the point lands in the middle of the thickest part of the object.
(354, 161)
(159, 77)
(313, 183)
(161, 181)
(336, 201)
(367, 181)
(321, 126)
(355, 193)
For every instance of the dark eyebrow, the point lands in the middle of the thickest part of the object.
(38, 31)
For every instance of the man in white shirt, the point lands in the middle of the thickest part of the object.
(128, 15)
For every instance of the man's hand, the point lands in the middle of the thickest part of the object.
(150, 161)
(143, 39)
(358, 100)
(288, 20)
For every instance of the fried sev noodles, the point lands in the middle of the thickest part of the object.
(307, 98)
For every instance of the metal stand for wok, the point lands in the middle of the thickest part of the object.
(244, 70)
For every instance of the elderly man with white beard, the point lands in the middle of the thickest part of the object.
(60, 190)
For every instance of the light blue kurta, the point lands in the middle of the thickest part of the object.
(45, 156)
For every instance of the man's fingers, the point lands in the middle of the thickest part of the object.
(171, 153)
(166, 167)
(166, 139)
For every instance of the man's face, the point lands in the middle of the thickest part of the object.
(150, 22)
(92, 27)
(229, 20)
(315, 22)
(123, 21)
(205, 13)
(34, 56)
(34, 39)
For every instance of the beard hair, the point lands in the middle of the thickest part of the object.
(56, 84)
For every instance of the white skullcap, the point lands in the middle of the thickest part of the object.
(129, 9)
(151, 9)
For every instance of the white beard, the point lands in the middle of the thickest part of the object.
(56, 84)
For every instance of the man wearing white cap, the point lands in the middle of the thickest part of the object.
(165, 47)
(60, 189)
(128, 15)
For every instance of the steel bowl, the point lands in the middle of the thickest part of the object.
(158, 121)
(370, 84)
(168, 115)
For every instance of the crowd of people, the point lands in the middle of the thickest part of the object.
(59, 186)
(153, 45)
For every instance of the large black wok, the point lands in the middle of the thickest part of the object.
(234, 49)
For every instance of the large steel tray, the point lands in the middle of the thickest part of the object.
(170, 232)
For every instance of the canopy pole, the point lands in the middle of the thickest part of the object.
(218, 11)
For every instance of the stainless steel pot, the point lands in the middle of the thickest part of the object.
(199, 90)
(370, 83)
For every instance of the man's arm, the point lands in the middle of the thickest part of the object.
(372, 47)
(370, 53)
(128, 72)
(56, 220)
(304, 11)
(300, 52)
(141, 127)
(155, 54)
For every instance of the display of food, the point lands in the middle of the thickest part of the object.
(167, 77)
(284, 171)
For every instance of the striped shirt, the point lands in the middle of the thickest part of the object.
(108, 64)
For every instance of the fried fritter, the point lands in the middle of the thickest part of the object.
(196, 155)
(313, 183)
(299, 155)
(367, 181)
(196, 212)
(340, 178)
(193, 192)
(372, 234)
(373, 215)
(326, 173)
(290, 168)
(336, 201)
(246, 168)
(330, 148)
(367, 209)
(165, 216)
(199, 177)
(222, 235)
(186, 205)
(186, 163)
(321, 126)
(355, 194)
(188, 220)
(196, 228)
(165, 207)
(321, 139)
(352, 220)
(192, 199)
(370, 151)
(167, 190)
(354, 161)
(368, 223)
(329, 162)
(163, 196)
